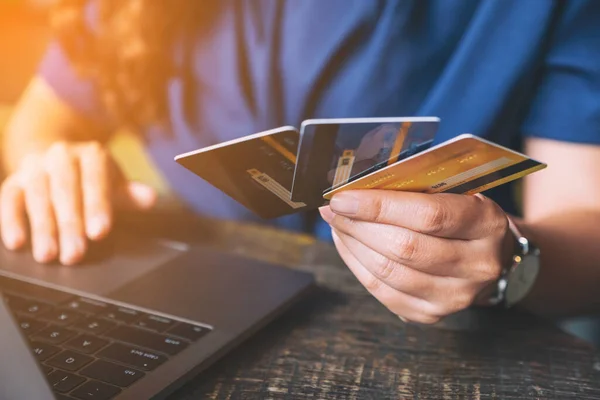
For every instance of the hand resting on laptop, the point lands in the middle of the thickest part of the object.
(67, 193)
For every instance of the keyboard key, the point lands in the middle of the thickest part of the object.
(161, 343)
(30, 326)
(155, 323)
(112, 373)
(89, 306)
(86, 344)
(69, 360)
(24, 289)
(26, 306)
(46, 369)
(43, 351)
(188, 331)
(54, 334)
(94, 390)
(94, 325)
(64, 382)
(132, 356)
(61, 317)
(122, 314)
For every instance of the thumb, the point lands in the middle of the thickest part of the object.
(138, 195)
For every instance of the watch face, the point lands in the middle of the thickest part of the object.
(522, 278)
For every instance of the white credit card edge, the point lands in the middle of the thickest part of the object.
(377, 120)
(234, 141)
(447, 142)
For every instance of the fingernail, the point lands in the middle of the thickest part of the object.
(326, 214)
(44, 250)
(144, 195)
(13, 240)
(72, 250)
(403, 319)
(344, 203)
(335, 235)
(97, 227)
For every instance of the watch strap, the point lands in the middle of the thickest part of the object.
(521, 248)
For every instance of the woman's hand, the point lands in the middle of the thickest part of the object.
(66, 195)
(424, 256)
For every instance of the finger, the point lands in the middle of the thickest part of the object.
(95, 185)
(65, 193)
(41, 217)
(401, 304)
(449, 294)
(444, 215)
(429, 254)
(140, 196)
(12, 215)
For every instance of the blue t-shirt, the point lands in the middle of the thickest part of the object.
(501, 69)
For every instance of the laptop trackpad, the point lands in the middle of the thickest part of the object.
(215, 288)
(108, 266)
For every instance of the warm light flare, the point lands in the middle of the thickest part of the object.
(24, 34)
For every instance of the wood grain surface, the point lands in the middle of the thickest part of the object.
(340, 343)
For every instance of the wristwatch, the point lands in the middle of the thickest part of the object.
(517, 279)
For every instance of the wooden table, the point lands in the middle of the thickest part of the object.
(342, 344)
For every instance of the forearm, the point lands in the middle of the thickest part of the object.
(569, 278)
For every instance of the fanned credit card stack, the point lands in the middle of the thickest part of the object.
(285, 171)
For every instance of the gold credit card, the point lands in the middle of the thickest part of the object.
(465, 165)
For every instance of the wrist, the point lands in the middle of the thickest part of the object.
(517, 278)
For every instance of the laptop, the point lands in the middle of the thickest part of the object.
(135, 321)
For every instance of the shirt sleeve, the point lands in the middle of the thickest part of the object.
(77, 92)
(566, 105)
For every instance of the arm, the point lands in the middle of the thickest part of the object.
(62, 181)
(562, 216)
(426, 256)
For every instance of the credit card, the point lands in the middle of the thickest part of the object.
(333, 152)
(466, 164)
(257, 170)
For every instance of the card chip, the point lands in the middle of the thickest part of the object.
(344, 168)
(274, 187)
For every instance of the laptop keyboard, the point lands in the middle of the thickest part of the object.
(90, 349)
